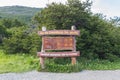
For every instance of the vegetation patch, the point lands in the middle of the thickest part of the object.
(24, 62)
(17, 62)
(82, 64)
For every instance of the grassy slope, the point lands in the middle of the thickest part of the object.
(17, 62)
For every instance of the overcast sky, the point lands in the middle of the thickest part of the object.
(109, 8)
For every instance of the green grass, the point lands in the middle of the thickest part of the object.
(82, 65)
(99, 65)
(25, 62)
(17, 62)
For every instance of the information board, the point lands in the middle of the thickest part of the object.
(63, 41)
(58, 43)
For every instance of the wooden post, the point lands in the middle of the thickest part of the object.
(73, 59)
(42, 62)
(42, 50)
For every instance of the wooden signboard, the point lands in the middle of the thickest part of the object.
(58, 43)
(58, 40)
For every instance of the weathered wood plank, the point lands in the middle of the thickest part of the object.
(58, 54)
(58, 43)
(59, 32)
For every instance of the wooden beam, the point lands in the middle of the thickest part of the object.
(58, 54)
(59, 32)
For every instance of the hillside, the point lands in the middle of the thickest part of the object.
(18, 12)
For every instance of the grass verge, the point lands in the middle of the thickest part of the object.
(82, 64)
(17, 62)
(25, 62)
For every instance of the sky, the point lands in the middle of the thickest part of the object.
(110, 8)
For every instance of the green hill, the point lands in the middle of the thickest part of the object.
(21, 13)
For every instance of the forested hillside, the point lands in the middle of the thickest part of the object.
(21, 13)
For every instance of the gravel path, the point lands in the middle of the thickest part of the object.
(83, 75)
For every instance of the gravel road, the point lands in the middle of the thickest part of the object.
(83, 75)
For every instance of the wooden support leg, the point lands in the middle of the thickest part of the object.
(42, 62)
(73, 60)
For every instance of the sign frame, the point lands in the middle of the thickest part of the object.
(50, 41)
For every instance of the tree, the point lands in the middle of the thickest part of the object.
(2, 32)
(115, 21)
(21, 40)
(6, 24)
(96, 36)
(9, 23)
(17, 23)
(60, 16)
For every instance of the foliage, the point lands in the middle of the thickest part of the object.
(21, 40)
(6, 24)
(96, 39)
(16, 36)
(63, 16)
(115, 21)
(2, 32)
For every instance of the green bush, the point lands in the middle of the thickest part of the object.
(98, 36)
(21, 41)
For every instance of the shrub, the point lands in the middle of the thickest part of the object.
(98, 36)
(20, 41)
